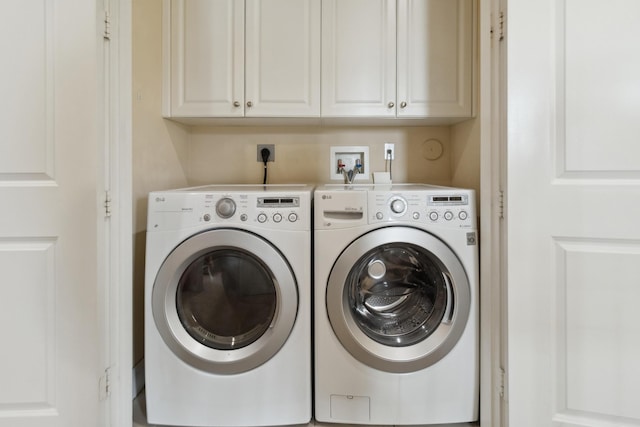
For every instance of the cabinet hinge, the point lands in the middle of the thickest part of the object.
(501, 204)
(501, 26)
(107, 26)
(104, 385)
(107, 204)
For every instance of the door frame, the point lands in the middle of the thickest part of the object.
(492, 115)
(116, 238)
(117, 297)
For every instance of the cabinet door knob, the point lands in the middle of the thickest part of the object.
(236, 104)
(391, 105)
(403, 104)
(249, 104)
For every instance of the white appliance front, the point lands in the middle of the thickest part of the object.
(396, 285)
(228, 306)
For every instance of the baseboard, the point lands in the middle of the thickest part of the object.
(138, 378)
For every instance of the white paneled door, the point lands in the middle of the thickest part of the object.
(574, 213)
(49, 126)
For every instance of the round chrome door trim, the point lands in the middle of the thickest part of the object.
(182, 344)
(385, 357)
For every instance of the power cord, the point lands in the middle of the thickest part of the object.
(265, 158)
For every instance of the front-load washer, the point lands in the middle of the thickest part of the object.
(228, 306)
(396, 304)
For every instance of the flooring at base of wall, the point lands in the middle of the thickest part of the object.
(138, 379)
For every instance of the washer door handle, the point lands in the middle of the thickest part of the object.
(447, 319)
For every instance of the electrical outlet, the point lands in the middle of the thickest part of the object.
(272, 152)
(389, 151)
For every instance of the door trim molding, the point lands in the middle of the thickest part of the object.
(117, 298)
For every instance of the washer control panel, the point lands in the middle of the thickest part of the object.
(443, 207)
(447, 207)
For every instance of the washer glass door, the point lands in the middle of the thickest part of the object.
(398, 299)
(397, 294)
(225, 301)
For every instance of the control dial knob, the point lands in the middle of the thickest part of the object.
(398, 206)
(225, 208)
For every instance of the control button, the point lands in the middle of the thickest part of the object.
(293, 217)
(243, 217)
(398, 206)
(416, 215)
(262, 218)
(207, 217)
(277, 217)
(433, 216)
(379, 215)
(448, 215)
(463, 215)
(225, 208)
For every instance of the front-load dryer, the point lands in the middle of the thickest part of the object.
(228, 306)
(396, 304)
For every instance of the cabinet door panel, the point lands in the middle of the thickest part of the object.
(207, 63)
(283, 58)
(358, 58)
(435, 55)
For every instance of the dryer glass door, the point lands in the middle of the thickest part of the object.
(226, 299)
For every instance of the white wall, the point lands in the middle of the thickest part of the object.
(465, 157)
(228, 154)
(159, 147)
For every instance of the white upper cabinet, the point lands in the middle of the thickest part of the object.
(282, 58)
(435, 58)
(397, 58)
(336, 59)
(358, 58)
(203, 58)
(227, 59)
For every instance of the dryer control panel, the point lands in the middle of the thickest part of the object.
(264, 209)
